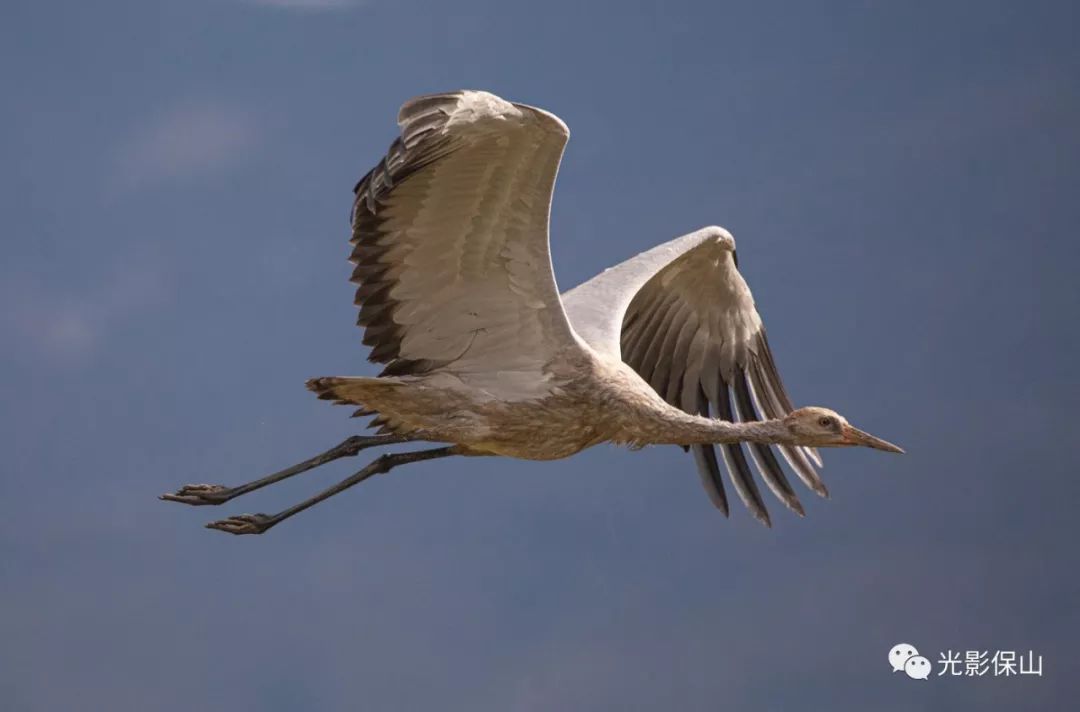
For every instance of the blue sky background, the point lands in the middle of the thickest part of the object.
(902, 180)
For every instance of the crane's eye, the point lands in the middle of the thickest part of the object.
(826, 422)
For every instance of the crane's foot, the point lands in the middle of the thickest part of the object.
(199, 495)
(243, 524)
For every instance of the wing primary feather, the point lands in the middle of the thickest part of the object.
(707, 464)
(765, 401)
(761, 453)
(772, 377)
(765, 353)
(735, 461)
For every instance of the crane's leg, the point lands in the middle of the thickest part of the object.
(258, 523)
(219, 494)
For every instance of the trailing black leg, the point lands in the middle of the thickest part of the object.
(258, 523)
(219, 494)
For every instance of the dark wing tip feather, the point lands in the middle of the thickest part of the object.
(768, 393)
(762, 454)
(707, 464)
(735, 460)
(709, 470)
(421, 142)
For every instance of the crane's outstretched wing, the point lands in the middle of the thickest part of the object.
(450, 240)
(683, 318)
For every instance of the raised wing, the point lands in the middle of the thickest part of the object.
(450, 240)
(683, 318)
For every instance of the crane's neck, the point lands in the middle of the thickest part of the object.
(676, 427)
(637, 414)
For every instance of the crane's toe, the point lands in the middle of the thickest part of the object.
(243, 524)
(198, 495)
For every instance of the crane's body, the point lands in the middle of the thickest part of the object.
(458, 300)
(580, 409)
(589, 401)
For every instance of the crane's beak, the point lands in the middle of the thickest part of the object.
(854, 436)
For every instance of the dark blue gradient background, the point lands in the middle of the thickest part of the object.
(902, 180)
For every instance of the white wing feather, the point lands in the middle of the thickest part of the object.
(450, 236)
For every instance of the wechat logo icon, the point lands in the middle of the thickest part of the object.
(904, 657)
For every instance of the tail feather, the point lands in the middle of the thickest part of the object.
(370, 394)
(348, 391)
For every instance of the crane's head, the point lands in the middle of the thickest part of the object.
(821, 427)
